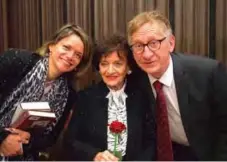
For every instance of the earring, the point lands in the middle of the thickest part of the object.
(48, 54)
(129, 72)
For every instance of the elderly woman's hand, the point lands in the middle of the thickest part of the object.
(105, 156)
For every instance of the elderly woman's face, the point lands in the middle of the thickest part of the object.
(113, 69)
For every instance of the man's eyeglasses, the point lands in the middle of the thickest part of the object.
(153, 45)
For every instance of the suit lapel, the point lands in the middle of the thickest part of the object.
(102, 111)
(182, 89)
(129, 124)
(131, 112)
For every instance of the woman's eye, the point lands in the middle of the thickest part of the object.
(103, 64)
(78, 55)
(65, 47)
(118, 63)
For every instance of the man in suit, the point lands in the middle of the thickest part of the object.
(188, 91)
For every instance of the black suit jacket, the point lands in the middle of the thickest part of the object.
(201, 86)
(87, 131)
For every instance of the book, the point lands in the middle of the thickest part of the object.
(31, 115)
(37, 106)
(32, 119)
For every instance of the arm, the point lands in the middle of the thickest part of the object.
(12, 64)
(74, 139)
(6, 68)
(220, 110)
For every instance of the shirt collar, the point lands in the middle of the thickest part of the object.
(118, 92)
(167, 78)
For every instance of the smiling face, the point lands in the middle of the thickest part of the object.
(65, 55)
(113, 68)
(153, 62)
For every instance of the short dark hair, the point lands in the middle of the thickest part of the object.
(116, 42)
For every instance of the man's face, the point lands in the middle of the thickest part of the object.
(154, 58)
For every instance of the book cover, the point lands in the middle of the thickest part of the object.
(32, 119)
(25, 106)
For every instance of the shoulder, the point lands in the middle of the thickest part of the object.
(96, 90)
(89, 98)
(195, 62)
(194, 59)
(132, 84)
(136, 91)
(17, 62)
(21, 55)
(19, 52)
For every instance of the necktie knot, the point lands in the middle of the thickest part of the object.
(157, 86)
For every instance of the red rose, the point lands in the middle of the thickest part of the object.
(117, 127)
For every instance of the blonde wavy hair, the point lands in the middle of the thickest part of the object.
(148, 17)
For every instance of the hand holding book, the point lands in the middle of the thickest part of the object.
(25, 136)
(11, 145)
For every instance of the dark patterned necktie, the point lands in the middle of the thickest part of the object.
(164, 144)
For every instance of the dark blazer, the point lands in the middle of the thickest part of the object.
(201, 86)
(87, 131)
(14, 65)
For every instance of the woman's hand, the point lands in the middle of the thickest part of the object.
(11, 145)
(105, 156)
(25, 136)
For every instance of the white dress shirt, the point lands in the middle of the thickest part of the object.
(117, 111)
(175, 123)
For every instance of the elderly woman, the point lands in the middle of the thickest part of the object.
(115, 98)
(28, 77)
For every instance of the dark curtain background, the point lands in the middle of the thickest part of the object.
(200, 26)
